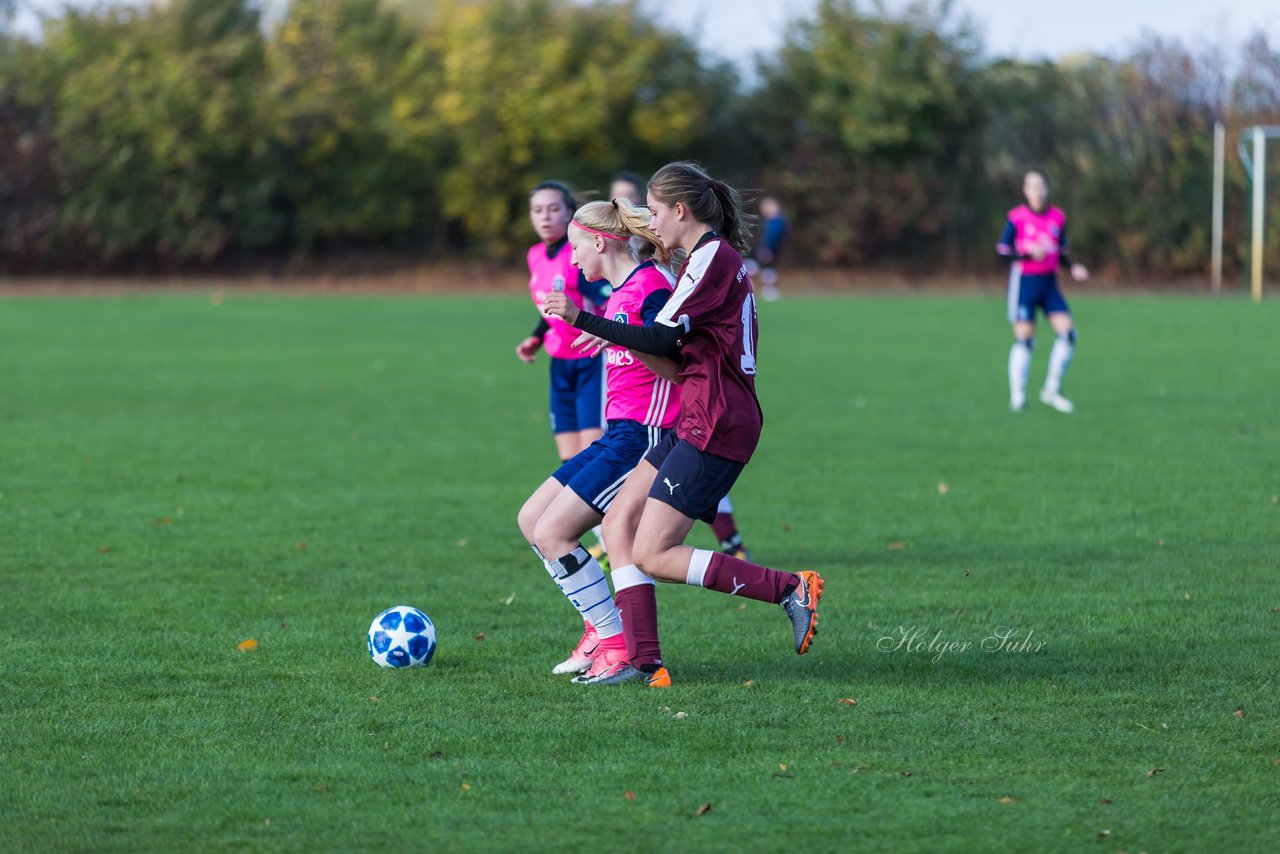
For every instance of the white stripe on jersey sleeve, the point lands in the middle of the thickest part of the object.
(699, 261)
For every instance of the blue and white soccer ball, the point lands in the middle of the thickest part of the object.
(402, 636)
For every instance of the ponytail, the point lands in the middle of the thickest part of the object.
(709, 200)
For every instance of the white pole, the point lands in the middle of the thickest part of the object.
(1259, 175)
(1219, 176)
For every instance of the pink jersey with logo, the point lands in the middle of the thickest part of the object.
(556, 272)
(634, 392)
(1032, 230)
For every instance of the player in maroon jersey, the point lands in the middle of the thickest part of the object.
(707, 332)
(630, 186)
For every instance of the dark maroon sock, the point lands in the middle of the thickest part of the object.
(724, 527)
(638, 607)
(740, 578)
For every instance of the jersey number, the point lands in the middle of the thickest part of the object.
(748, 360)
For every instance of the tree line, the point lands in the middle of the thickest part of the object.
(193, 133)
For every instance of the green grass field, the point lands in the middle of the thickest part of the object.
(179, 476)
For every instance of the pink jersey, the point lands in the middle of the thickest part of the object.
(554, 271)
(1032, 231)
(715, 306)
(634, 392)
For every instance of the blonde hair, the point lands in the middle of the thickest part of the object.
(623, 219)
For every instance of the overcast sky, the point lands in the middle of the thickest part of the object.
(737, 29)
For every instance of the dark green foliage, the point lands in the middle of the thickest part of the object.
(185, 132)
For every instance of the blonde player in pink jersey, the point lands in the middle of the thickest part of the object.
(609, 240)
(708, 329)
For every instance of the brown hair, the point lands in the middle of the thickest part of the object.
(708, 200)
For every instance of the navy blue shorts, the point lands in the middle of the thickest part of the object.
(597, 473)
(577, 394)
(690, 480)
(1027, 293)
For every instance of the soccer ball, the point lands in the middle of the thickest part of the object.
(402, 636)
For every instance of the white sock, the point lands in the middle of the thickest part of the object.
(698, 567)
(1020, 367)
(1064, 347)
(629, 576)
(725, 506)
(581, 580)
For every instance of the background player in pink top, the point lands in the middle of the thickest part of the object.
(577, 378)
(708, 329)
(608, 240)
(630, 186)
(1035, 241)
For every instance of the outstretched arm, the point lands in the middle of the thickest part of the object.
(656, 340)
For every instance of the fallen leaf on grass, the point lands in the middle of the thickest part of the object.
(1154, 771)
(1104, 801)
(462, 543)
(896, 547)
(1007, 799)
(322, 788)
(466, 787)
(748, 683)
(375, 699)
(629, 795)
(509, 599)
(104, 550)
(943, 489)
(1239, 713)
(480, 636)
(906, 773)
(164, 520)
(702, 810)
(848, 701)
(681, 715)
(782, 766)
(248, 645)
(742, 607)
(1103, 834)
(301, 546)
(839, 741)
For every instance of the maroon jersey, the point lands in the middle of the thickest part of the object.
(715, 307)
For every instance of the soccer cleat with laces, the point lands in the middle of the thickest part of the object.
(660, 678)
(1056, 400)
(608, 663)
(583, 654)
(801, 606)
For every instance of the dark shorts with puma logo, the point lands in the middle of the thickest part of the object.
(690, 480)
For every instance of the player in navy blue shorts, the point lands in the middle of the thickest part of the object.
(609, 240)
(707, 332)
(1035, 243)
(577, 379)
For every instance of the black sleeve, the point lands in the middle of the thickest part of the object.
(1064, 251)
(1005, 247)
(656, 340)
(540, 331)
